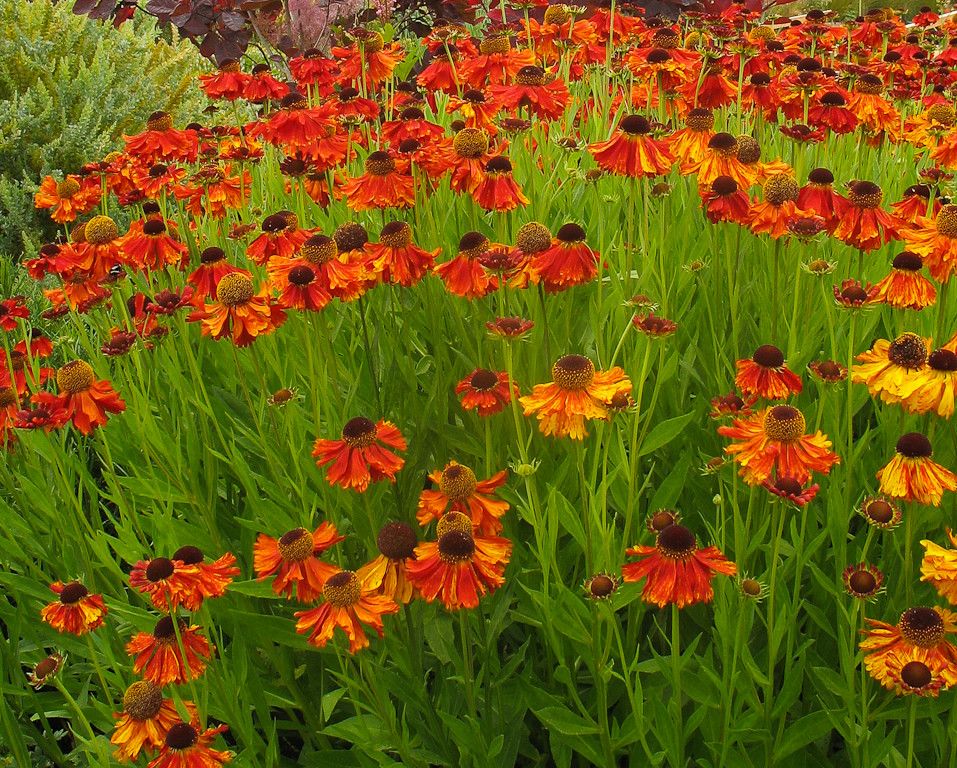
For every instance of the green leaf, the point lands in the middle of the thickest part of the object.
(805, 731)
(664, 432)
(565, 722)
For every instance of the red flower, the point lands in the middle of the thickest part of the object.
(765, 375)
(86, 400)
(631, 151)
(568, 262)
(157, 655)
(486, 391)
(77, 611)
(361, 457)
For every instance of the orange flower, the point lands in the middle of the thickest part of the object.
(890, 368)
(547, 101)
(631, 151)
(212, 267)
(913, 476)
(568, 262)
(160, 141)
(227, 83)
(77, 611)
(905, 287)
(818, 197)
(773, 441)
(186, 746)
(690, 144)
(212, 579)
(922, 629)
(486, 391)
(459, 568)
(169, 584)
(771, 216)
(720, 158)
(239, 311)
(936, 241)
(765, 375)
(934, 388)
(333, 275)
(497, 60)
(158, 658)
(577, 392)
(939, 567)
(153, 248)
(913, 672)
(293, 560)
(381, 186)
(348, 604)
(460, 491)
(68, 198)
(723, 200)
(370, 61)
(86, 400)
(863, 224)
(360, 456)
(464, 274)
(397, 259)
(386, 574)
(144, 722)
(281, 238)
(497, 190)
(676, 570)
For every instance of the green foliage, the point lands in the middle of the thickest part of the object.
(69, 88)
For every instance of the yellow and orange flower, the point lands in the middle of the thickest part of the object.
(772, 215)
(386, 574)
(362, 455)
(939, 567)
(397, 259)
(69, 198)
(212, 267)
(919, 629)
(293, 560)
(459, 567)
(347, 603)
(187, 746)
(153, 248)
(891, 367)
(863, 224)
(676, 570)
(936, 240)
(157, 656)
(239, 312)
(459, 491)
(765, 375)
(631, 151)
(773, 441)
(568, 262)
(935, 388)
(144, 722)
(912, 475)
(76, 611)
(85, 399)
(905, 287)
(486, 391)
(577, 392)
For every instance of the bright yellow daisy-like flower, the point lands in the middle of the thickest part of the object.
(939, 567)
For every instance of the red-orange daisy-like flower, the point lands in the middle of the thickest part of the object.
(280, 238)
(920, 628)
(144, 722)
(239, 312)
(459, 490)
(486, 391)
(362, 455)
(577, 392)
(76, 611)
(497, 190)
(386, 574)
(187, 746)
(912, 475)
(464, 274)
(153, 248)
(529, 91)
(890, 369)
(765, 375)
(168, 583)
(397, 259)
(381, 186)
(86, 400)
(631, 151)
(936, 241)
(675, 570)
(862, 581)
(509, 327)
(460, 567)
(212, 579)
(227, 83)
(773, 440)
(905, 287)
(348, 604)
(864, 224)
(939, 567)
(212, 267)
(69, 198)
(818, 197)
(723, 200)
(568, 262)
(293, 560)
(157, 655)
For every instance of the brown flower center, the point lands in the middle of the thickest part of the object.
(396, 234)
(73, 592)
(495, 44)
(573, 372)
(768, 356)
(212, 255)
(530, 75)
(908, 351)
(453, 521)
(751, 587)
(159, 121)
(749, 151)
(865, 194)
(942, 360)
(165, 631)
(570, 233)
(922, 627)
(396, 541)
(483, 380)
(700, 120)
(46, 667)
(470, 142)
(67, 188)
(76, 376)
(380, 164)
(676, 542)
(342, 589)
(296, 545)
(359, 432)
(916, 675)
(456, 547)
(635, 125)
(159, 568)
(947, 221)
(142, 700)
(662, 519)
(907, 261)
(788, 485)
(601, 586)
(234, 289)
(784, 424)
(8, 397)
(181, 736)
(879, 511)
(301, 276)
(350, 236)
(780, 189)
(319, 249)
(862, 583)
(101, 230)
(188, 555)
(533, 237)
(458, 482)
(914, 445)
